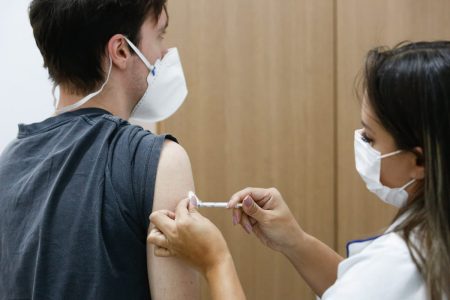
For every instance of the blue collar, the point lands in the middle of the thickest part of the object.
(359, 245)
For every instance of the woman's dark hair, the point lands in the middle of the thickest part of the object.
(408, 88)
(72, 35)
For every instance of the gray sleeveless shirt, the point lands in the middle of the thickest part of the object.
(76, 192)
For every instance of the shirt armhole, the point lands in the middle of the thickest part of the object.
(149, 171)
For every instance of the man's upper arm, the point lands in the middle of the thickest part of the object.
(171, 278)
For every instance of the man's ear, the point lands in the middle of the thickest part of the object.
(119, 51)
(419, 167)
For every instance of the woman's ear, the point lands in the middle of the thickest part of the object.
(418, 171)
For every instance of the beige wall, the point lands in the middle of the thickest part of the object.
(271, 104)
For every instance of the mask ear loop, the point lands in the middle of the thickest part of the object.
(141, 56)
(85, 99)
(391, 154)
(55, 101)
(408, 184)
(395, 153)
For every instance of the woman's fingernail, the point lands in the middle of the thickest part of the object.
(248, 201)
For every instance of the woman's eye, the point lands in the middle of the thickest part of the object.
(366, 139)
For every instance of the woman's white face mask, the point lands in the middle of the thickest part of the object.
(368, 165)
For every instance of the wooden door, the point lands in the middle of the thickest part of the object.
(362, 25)
(259, 113)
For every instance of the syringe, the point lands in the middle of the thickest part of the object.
(193, 198)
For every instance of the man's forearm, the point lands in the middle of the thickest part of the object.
(224, 282)
(315, 262)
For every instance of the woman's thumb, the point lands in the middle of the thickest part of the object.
(251, 208)
(192, 205)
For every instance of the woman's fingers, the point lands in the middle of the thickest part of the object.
(258, 194)
(162, 252)
(182, 208)
(170, 214)
(157, 238)
(239, 197)
(237, 212)
(163, 220)
(245, 222)
(187, 235)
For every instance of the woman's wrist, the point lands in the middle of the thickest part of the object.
(315, 261)
(298, 241)
(223, 280)
(220, 268)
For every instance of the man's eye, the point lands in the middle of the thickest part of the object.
(366, 139)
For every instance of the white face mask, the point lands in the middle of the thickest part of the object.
(368, 165)
(166, 90)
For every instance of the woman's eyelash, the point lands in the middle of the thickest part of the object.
(365, 138)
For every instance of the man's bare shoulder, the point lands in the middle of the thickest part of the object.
(173, 155)
(174, 176)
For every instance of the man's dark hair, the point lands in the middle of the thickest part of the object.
(72, 35)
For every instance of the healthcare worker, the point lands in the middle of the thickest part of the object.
(403, 155)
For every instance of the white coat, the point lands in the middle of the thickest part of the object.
(378, 268)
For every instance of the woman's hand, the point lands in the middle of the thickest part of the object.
(188, 235)
(192, 237)
(265, 213)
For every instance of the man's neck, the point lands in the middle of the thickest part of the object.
(111, 101)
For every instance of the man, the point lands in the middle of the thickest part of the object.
(76, 189)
